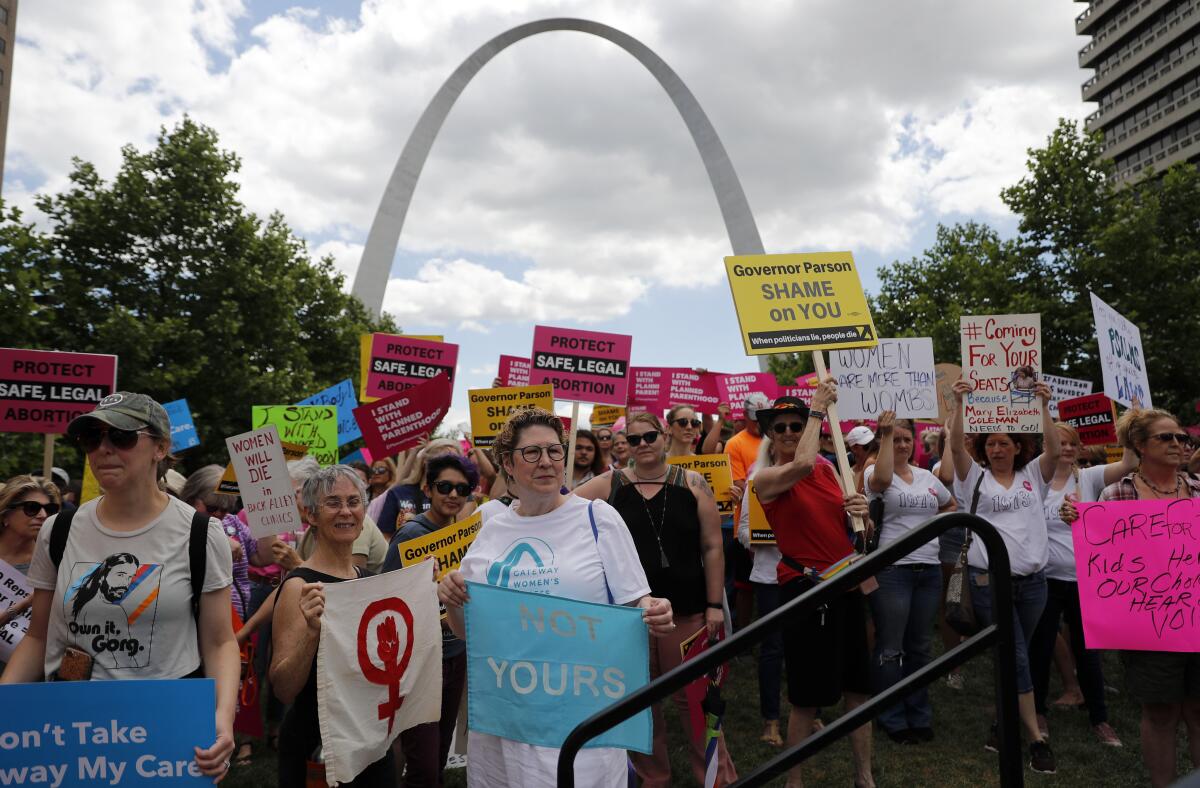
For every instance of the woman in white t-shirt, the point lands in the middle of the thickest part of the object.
(547, 545)
(1007, 487)
(909, 590)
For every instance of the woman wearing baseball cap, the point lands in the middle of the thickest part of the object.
(113, 583)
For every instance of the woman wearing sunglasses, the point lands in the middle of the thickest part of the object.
(126, 554)
(382, 476)
(25, 503)
(558, 545)
(683, 427)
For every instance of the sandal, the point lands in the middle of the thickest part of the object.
(245, 754)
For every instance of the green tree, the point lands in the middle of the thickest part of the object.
(200, 298)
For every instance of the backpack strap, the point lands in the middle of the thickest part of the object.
(596, 538)
(58, 535)
(197, 559)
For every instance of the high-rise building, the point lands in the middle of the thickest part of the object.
(8, 40)
(1146, 57)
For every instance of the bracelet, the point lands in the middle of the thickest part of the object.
(716, 605)
(817, 414)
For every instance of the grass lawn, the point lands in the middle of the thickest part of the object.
(956, 757)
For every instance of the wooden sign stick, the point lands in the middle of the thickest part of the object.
(839, 444)
(569, 472)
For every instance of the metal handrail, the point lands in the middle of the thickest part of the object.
(999, 634)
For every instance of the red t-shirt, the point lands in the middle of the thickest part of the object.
(809, 522)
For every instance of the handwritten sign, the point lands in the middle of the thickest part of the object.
(1065, 388)
(263, 481)
(944, 375)
(13, 588)
(228, 483)
(1137, 562)
(400, 362)
(42, 390)
(183, 428)
(1094, 417)
(606, 415)
(490, 408)
(398, 422)
(1121, 358)
(717, 473)
(760, 529)
(1002, 357)
(582, 366)
(896, 374)
(314, 426)
(514, 371)
(340, 396)
(539, 665)
(735, 388)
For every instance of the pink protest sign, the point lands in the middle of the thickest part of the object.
(514, 372)
(689, 387)
(42, 390)
(1138, 567)
(650, 387)
(582, 366)
(805, 386)
(398, 363)
(396, 423)
(735, 388)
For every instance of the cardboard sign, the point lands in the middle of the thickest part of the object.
(340, 396)
(490, 408)
(1136, 564)
(1121, 358)
(896, 374)
(649, 387)
(689, 387)
(514, 371)
(42, 390)
(539, 665)
(127, 733)
(263, 481)
(760, 530)
(1002, 356)
(1094, 417)
(791, 303)
(398, 422)
(314, 426)
(228, 483)
(735, 388)
(717, 472)
(13, 588)
(1065, 388)
(945, 375)
(582, 366)
(399, 363)
(364, 357)
(606, 415)
(183, 428)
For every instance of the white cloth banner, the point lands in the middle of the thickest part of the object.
(379, 666)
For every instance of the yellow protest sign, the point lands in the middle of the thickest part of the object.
(717, 472)
(789, 303)
(91, 487)
(606, 415)
(228, 483)
(760, 529)
(364, 358)
(448, 545)
(490, 408)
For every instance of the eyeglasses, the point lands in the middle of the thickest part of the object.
(781, 427)
(336, 504)
(1167, 437)
(90, 439)
(685, 423)
(603, 438)
(31, 508)
(649, 436)
(462, 488)
(379, 471)
(533, 454)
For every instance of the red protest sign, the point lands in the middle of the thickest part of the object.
(735, 388)
(689, 387)
(42, 390)
(514, 372)
(650, 387)
(582, 366)
(398, 363)
(1094, 417)
(396, 423)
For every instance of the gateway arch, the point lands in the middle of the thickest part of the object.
(372, 276)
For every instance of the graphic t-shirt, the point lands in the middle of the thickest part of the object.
(1060, 549)
(908, 505)
(1016, 512)
(125, 597)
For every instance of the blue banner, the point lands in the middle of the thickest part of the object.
(183, 429)
(106, 732)
(341, 395)
(538, 665)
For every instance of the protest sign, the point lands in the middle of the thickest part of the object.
(379, 666)
(314, 426)
(490, 408)
(514, 371)
(944, 375)
(340, 396)
(1136, 563)
(1065, 388)
(398, 422)
(358, 455)
(1002, 357)
(734, 389)
(896, 374)
(400, 362)
(447, 544)
(760, 529)
(263, 481)
(806, 386)
(1121, 358)
(582, 366)
(42, 390)
(183, 428)
(717, 473)
(1094, 417)
(126, 733)
(650, 387)
(539, 665)
(228, 482)
(789, 303)
(606, 415)
(90, 486)
(364, 357)
(697, 389)
(13, 588)
(692, 647)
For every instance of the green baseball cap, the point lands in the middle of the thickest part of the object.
(126, 410)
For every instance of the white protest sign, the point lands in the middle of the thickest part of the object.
(13, 588)
(1002, 357)
(1065, 388)
(1121, 357)
(896, 374)
(263, 481)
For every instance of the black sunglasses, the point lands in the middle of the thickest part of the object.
(781, 427)
(685, 423)
(649, 436)
(462, 488)
(31, 508)
(1167, 437)
(89, 439)
(379, 471)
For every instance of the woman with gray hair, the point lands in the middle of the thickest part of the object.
(333, 502)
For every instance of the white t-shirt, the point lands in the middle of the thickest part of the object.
(1016, 512)
(553, 554)
(125, 597)
(1060, 549)
(906, 506)
(765, 568)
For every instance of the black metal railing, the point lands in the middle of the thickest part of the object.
(999, 634)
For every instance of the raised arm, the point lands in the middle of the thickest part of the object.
(1051, 443)
(712, 438)
(885, 461)
(774, 481)
(295, 634)
(954, 431)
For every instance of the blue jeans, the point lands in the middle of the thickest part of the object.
(770, 654)
(904, 607)
(1029, 600)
